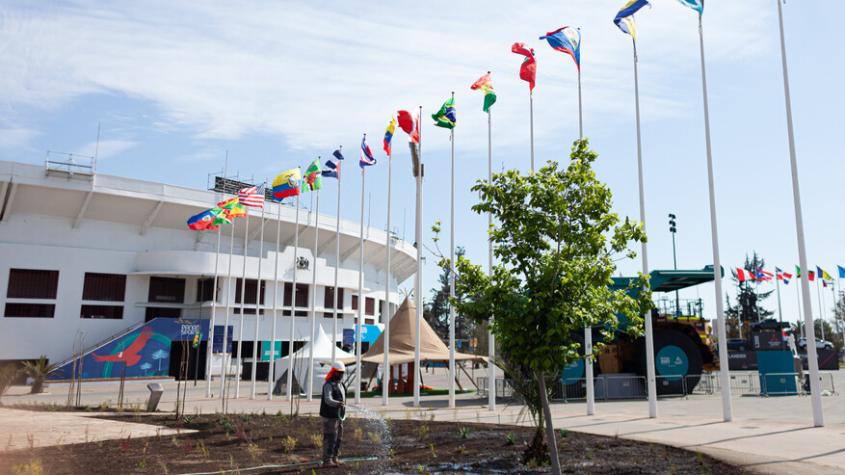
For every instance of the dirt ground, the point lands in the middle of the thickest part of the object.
(282, 444)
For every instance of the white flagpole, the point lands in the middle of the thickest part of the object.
(293, 302)
(724, 377)
(418, 287)
(226, 353)
(255, 340)
(531, 123)
(336, 267)
(588, 331)
(491, 339)
(580, 109)
(813, 362)
(313, 293)
(798, 299)
(385, 319)
(452, 278)
(271, 375)
(649, 331)
(209, 352)
(361, 299)
(243, 301)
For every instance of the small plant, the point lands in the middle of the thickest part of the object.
(422, 431)
(420, 469)
(202, 449)
(433, 450)
(33, 467)
(38, 371)
(464, 432)
(317, 440)
(509, 439)
(8, 373)
(374, 437)
(563, 433)
(254, 451)
(187, 419)
(289, 444)
(358, 434)
(460, 450)
(104, 406)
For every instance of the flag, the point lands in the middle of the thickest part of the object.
(528, 70)
(625, 17)
(331, 169)
(446, 116)
(415, 135)
(312, 180)
(202, 221)
(252, 196)
(485, 83)
(286, 184)
(337, 154)
(697, 5)
(197, 338)
(388, 135)
(367, 159)
(566, 40)
(841, 272)
(742, 274)
(784, 276)
(232, 208)
(811, 276)
(406, 121)
(763, 275)
(797, 272)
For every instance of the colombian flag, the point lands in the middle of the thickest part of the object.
(287, 184)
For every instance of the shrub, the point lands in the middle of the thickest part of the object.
(289, 444)
(38, 371)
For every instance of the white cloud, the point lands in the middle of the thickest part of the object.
(313, 72)
(106, 148)
(12, 138)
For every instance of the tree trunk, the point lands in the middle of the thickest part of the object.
(550, 430)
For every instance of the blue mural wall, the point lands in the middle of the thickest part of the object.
(144, 352)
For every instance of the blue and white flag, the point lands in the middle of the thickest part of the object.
(337, 154)
(367, 158)
(331, 169)
(625, 17)
(697, 5)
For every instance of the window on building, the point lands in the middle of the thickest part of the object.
(104, 287)
(30, 310)
(301, 294)
(329, 298)
(108, 312)
(205, 289)
(167, 290)
(370, 306)
(32, 284)
(158, 312)
(251, 291)
(354, 302)
(369, 321)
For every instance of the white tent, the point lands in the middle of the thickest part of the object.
(299, 360)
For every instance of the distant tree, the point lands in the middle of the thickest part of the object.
(749, 298)
(436, 310)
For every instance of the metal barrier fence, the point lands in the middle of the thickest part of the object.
(503, 388)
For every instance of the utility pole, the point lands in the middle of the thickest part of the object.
(673, 228)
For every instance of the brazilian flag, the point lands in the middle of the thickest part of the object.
(446, 116)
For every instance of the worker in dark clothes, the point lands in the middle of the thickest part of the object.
(333, 411)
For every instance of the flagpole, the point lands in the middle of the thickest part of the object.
(255, 341)
(271, 375)
(580, 116)
(336, 267)
(780, 310)
(361, 298)
(588, 330)
(724, 377)
(798, 298)
(531, 122)
(491, 339)
(243, 301)
(813, 363)
(313, 294)
(452, 277)
(226, 352)
(209, 351)
(293, 300)
(385, 378)
(418, 283)
(649, 332)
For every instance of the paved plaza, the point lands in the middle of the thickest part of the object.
(767, 435)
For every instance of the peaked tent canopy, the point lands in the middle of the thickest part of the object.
(322, 361)
(403, 332)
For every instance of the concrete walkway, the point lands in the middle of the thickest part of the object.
(767, 435)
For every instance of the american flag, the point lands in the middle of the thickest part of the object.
(252, 196)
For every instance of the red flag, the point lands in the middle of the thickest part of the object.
(406, 121)
(528, 70)
(415, 136)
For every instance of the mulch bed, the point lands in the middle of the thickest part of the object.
(237, 442)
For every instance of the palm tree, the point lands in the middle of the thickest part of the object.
(38, 371)
(8, 373)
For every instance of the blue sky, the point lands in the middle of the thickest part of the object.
(177, 84)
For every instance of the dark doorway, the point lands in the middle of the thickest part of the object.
(196, 360)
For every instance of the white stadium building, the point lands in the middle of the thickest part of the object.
(91, 256)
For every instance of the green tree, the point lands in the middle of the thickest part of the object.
(38, 370)
(749, 299)
(556, 245)
(436, 311)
